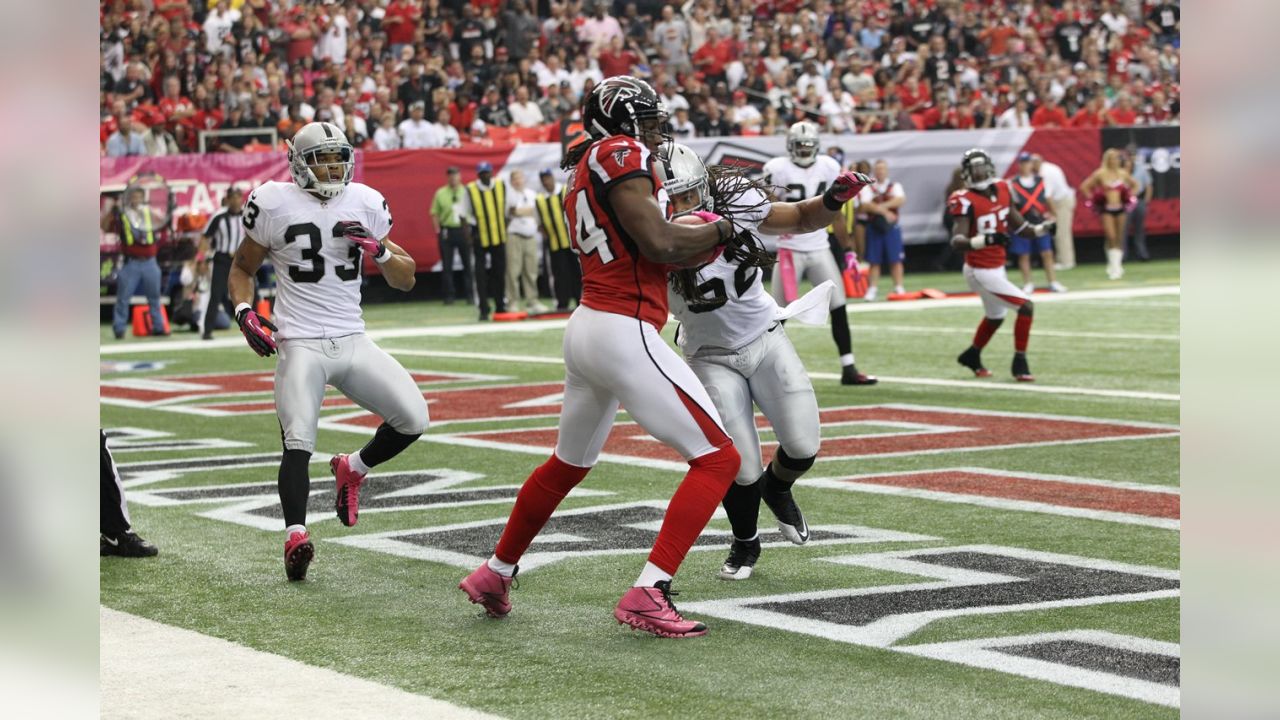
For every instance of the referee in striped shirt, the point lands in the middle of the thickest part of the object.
(224, 233)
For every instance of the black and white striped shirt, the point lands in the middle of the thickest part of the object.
(224, 232)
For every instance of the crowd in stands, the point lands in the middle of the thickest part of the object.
(434, 73)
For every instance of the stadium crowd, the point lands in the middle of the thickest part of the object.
(435, 73)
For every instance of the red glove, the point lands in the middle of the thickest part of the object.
(845, 188)
(706, 216)
(360, 236)
(252, 325)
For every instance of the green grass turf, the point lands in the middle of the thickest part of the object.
(402, 622)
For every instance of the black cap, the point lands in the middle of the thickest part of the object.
(452, 170)
(545, 171)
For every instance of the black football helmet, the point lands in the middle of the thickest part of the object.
(622, 105)
(977, 169)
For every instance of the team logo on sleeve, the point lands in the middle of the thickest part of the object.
(620, 155)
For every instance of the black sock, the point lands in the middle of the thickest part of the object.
(784, 470)
(295, 486)
(742, 503)
(386, 444)
(840, 331)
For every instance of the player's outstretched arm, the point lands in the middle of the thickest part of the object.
(248, 259)
(399, 270)
(816, 212)
(661, 241)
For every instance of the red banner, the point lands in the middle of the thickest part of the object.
(408, 179)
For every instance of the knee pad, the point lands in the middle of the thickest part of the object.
(797, 465)
(1028, 309)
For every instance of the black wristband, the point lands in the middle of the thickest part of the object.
(721, 229)
(829, 200)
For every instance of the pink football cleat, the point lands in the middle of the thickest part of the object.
(650, 609)
(488, 588)
(298, 552)
(348, 490)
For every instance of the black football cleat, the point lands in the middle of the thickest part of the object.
(972, 359)
(849, 375)
(1021, 370)
(743, 555)
(126, 545)
(790, 519)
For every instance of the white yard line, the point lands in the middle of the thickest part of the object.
(152, 670)
(1018, 387)
(535, 326)
(926, 330)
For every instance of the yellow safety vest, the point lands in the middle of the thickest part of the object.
(128, 227)
(551, 213)
(489, 208)
(849, 211)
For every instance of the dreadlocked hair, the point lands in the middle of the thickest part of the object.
(575, 153)
(727, 186)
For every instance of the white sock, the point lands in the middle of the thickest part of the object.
(1115, 256)
(652, 575)
(898, 289)
(846, 360)
(504, 569)
(357, 463)
(293, 529)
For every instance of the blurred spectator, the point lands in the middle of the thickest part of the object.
(596, 31)
(524, 112)
(1135, 235)
(1164, 21)
(399, 22)
(671, 39)
(1015, 117)
(617, 59)
(1049, 115)
(882, 201)
(128, 139)
(1092, 115)
(416, 132)
(519, 30)
(1063, 197)
(745, 117)
(1122, 113)
(682, 127)
(386, 137)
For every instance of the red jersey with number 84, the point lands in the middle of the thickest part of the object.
(616, 277)
(987, 214)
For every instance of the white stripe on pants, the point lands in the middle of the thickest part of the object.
(611, 359)
(993, 286)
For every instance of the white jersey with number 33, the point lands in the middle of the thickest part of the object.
(317, 270)
(801, 184)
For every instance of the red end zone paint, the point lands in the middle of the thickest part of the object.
(485, 403)
(1052, 492)
(956, 430)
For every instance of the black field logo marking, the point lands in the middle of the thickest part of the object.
(986, 580)
(585, 532)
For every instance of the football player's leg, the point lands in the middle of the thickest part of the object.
(781, 387)
(299, 389)
(664, 396)
(381, 385)
(732, 397)
(997, 285)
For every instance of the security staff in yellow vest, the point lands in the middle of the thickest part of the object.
(566, 273)
(486, 213)
(137, 224)
(447, 210)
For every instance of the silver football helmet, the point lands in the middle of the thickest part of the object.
(682, 171)
(314, 140)
(802, 143)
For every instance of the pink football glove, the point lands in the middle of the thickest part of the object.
(360, 236)
(705, 216)
(252, 325)
(847, 186)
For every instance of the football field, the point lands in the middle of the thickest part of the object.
(981, 548)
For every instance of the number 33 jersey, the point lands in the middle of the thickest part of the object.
(317, 270)
(733, 308)
(616, 277)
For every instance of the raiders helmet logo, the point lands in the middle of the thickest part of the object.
(620, 155)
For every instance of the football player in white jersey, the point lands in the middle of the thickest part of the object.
(316, 231)
(732, 336)
(803, 173)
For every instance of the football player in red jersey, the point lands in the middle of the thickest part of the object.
(983, 218)
(618, 217)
